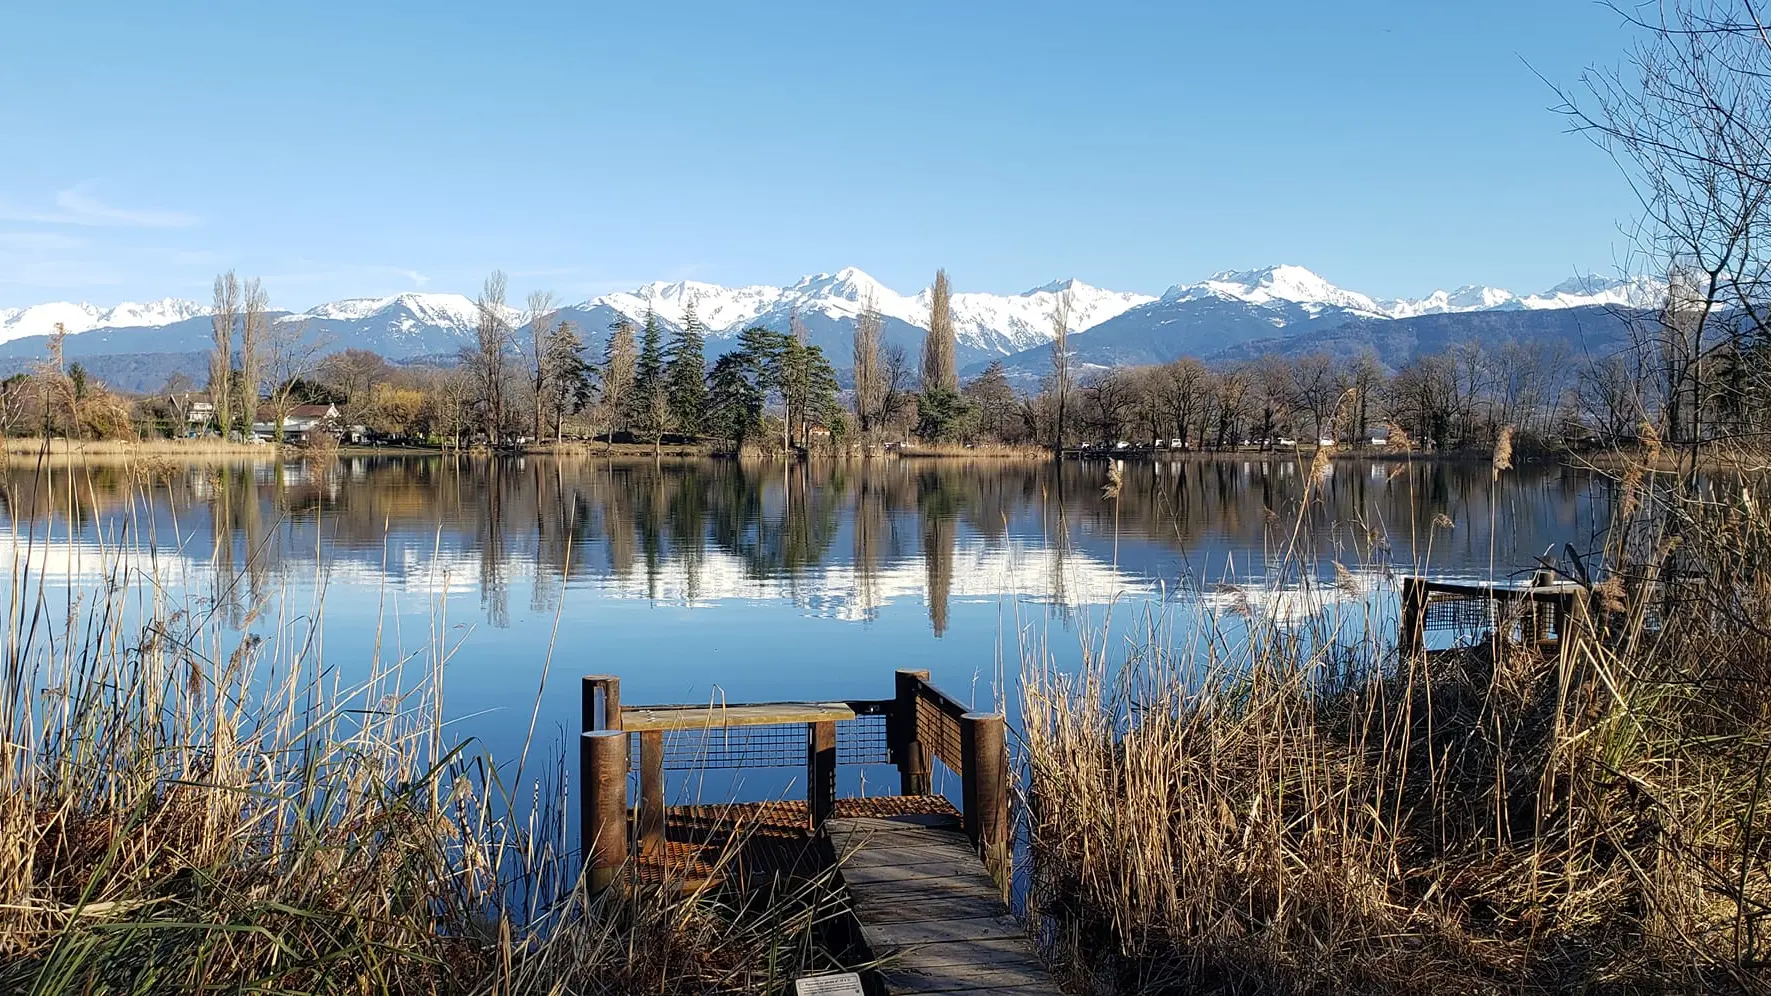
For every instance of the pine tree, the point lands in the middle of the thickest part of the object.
(735, 399)
(651, 398)
(688, 375)
(568, 384)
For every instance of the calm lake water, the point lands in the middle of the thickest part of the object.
(702, 580)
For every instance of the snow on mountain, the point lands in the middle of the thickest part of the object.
(719, 308)
(1578, 292)
(1276, 285)
(1227, 307)
(992, 323)
(41, 319)
(1025, 320)
(449, 310)
(1469, 297)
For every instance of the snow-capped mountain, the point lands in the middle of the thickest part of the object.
(1581, 292)
(41, 319)
(1276, 287)
(1216, 316)
(985, 323)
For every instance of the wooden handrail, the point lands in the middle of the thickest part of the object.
(922, 722)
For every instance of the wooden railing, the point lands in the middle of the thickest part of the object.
(921, 723)
(1546, 611)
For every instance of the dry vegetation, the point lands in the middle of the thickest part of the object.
(184, 809)
(1302, 812)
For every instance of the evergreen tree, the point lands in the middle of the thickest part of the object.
(650, 411)
(735, 399)
(569, 377)
(810, 390)
(687, 375)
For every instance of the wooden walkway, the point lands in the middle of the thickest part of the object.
(928, 909)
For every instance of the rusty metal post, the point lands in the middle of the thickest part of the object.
(602, 806)
(820, 771)
(984, 784)
(908, 752)
(610, 686)
(651, 814)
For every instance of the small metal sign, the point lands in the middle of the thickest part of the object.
(840, 984)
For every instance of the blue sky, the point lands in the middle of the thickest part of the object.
(366, 148)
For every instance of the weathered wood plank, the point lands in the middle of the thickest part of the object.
(699, 717)
(891, 873)
(928, 908)
(911, 933)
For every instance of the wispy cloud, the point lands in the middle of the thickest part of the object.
(40, 241)
(75, 206)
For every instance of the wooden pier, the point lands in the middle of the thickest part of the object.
(926, 882)
(1541, 615)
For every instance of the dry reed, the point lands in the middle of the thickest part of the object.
(185, 807)
(1297, 811)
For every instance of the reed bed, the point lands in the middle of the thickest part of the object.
(30, 448)
(187, 806)
(1285, 809)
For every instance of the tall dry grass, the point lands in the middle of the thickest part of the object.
(190, 807)
(1285, 810)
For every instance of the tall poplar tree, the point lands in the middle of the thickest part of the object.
(221, 361)
(620, 362)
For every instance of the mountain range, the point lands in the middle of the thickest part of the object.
(1225, 316)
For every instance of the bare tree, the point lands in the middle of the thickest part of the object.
(620, 363)
(896, 395)
(1686, 118)
(540, 308)
(290, 355)
(939, 372)
(255, 319)
(487, 360)
(869, 376)
(221, 360)
(1060, 386)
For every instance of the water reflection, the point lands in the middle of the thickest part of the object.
(837, 540)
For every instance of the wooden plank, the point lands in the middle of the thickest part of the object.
(911, 933)
(895, 824)
(934, 905)
(880, 896)
(718, 717)
(927, 907)
(910, 873)
(904, 856)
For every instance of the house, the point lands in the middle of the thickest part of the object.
(1380, 437)
(198, 409)
(301, 421)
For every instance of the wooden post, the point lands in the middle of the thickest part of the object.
(909, 753)
(610, 686)
(984, 785)
(820, 771)
(651, 815)
(1411, 636)
(602, 806)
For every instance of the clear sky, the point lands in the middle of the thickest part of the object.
(365, 148)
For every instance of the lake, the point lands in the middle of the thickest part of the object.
(704, 580)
